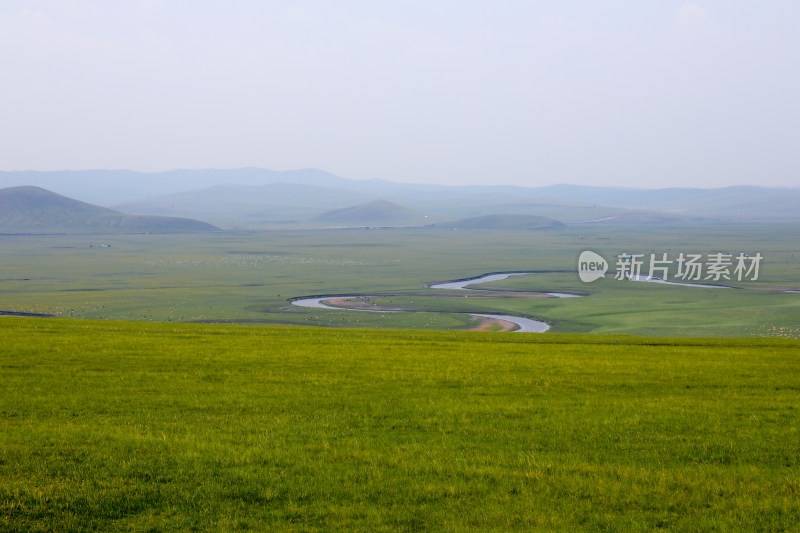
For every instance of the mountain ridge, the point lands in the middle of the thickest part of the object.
(734, 203)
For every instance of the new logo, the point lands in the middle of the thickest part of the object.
(591, 266)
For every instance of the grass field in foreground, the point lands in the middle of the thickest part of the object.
(119, 426)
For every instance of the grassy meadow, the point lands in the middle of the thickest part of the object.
(137, 426)
(249, 278)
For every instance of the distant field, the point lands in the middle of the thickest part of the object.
(249, 278)
(114, 426)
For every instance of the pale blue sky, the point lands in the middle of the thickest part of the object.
(655, 94)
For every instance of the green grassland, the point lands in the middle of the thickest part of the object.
(134, 426)
(143, 421)
(249, 278)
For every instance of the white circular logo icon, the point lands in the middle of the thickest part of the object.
(591, 266)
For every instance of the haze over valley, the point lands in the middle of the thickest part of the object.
(264, 199)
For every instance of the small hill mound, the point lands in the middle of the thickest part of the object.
(29, 209)
(377, 213)
(509, 222)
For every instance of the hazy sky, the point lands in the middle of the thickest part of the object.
(636, 93)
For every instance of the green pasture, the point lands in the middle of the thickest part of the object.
(638, 308)
(249, 278)
(134, 426)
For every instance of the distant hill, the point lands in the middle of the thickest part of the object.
(28, 209)
(377, 213)
(253, 197)
(110, 187)
(508, 222)
(267, 205)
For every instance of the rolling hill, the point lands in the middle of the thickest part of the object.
(380, 213)
(271, 204)
(29, 209)
(253, 197)
(111, 187)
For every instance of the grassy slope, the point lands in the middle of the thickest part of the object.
(130, 426)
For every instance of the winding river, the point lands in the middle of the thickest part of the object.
(464, 284)
(524, 325)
